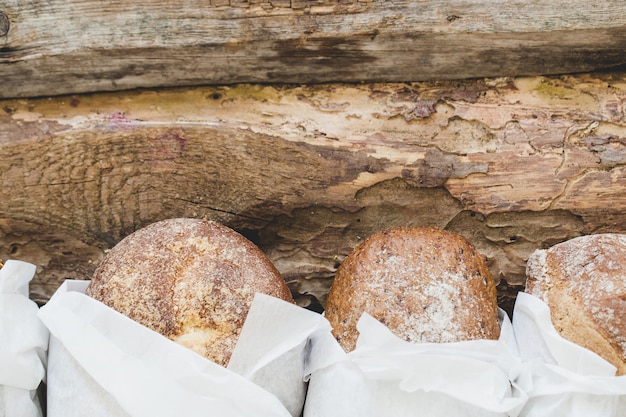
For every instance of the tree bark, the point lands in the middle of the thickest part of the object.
(74, 46)
(307, 172)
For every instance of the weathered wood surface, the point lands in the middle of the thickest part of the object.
(307, 172)
(73, 46)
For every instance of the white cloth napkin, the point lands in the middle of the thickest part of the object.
(568, 380)
(23, 343)
(387, 376)
(101, 363)
(274, 347)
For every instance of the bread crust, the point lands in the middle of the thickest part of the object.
(425, 284)
(583, 281)
(191, 280)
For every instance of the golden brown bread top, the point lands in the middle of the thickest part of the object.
(425, 284)
(191, 280)
(583, 281)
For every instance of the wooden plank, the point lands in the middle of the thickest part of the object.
(307, 172)
(72, 46)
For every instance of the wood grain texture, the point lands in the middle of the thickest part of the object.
(74, 46)
(307, 172)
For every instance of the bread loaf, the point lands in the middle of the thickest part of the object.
(425, 284)
(191, 280)
(583, 281)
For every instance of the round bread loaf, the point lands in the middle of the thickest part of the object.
(583, 281)
(423, 283)
(191, 280)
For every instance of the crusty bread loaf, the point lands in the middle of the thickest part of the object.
(583, 281)
(191, 280)
(425, 284)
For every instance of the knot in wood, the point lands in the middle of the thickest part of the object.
(4, 24)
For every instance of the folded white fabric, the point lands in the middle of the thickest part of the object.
(23, 343)
(568, 380)
(102, 363)
(385, 375)
(274, 346)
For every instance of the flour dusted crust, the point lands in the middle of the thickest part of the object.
(425, 284)
(191, 280)
(583, 281)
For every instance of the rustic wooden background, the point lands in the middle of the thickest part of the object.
(486, 135)
(307, 172)
(71, 46)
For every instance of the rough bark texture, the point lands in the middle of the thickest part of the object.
(73, 46)
(307, 172)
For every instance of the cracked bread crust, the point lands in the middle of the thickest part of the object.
(191, 280)
(583, 281)
(423, 283)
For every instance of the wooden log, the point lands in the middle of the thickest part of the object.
(307, 172)
(74, 46)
